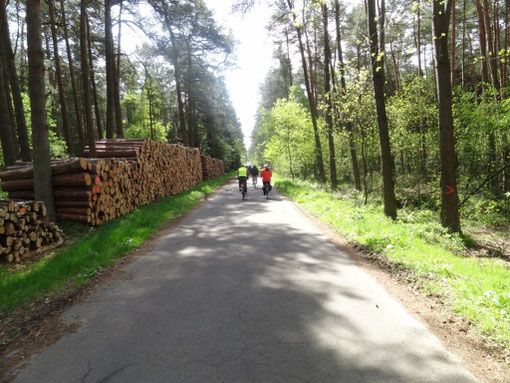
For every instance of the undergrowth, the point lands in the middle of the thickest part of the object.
(477, 289)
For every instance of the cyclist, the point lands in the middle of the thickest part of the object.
(254, 174)
(242, 176)
(266, 178)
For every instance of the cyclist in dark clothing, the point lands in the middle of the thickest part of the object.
(254, 174)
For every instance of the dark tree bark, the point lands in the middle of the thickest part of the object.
(418, 37)
(8, 148)
(177, 75)
(329, 98)
(311, 99)
(449, 194)
(12, 80)
(12, 120)
(43, 187)
(74, 85)
(58, 68)
(348, 125)
(116, 84)
(483, 44)
(390, 208)
(452, 47)
(492, 54)
(97, 110)
(85, 75)
(110, 71)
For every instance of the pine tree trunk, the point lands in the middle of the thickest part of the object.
(418, 38)
(116, 84)
(97, 110)
(43, 187)
(110, 71)
(449, 194)
(452, 47)
(6, 48)
(352, 147)
(483, 44)
(390, 208)
(177, 75)
(12, 120)
(60, 84)
(85, 75)
(311, 99)
(492, 54)
(329, 99)
(74, 85)
(8, 149)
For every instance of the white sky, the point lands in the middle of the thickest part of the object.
(253, 56)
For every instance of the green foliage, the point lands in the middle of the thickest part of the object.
(475, 288)
(292, 133)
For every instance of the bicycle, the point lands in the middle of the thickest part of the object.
(244, 190)
(267, 188)
(254, 180)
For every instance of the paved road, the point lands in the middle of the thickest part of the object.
(244, 292)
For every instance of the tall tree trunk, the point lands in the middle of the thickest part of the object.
(463, 62)
(110, 71)
(116, 84)
(418, 37)
(178, 90)
(395, 68)
(289, 61)
(60, 83)
(390, 208)
(449, 194)
(492, 54)
(12, 120)
(452, 47)
(483, 44)
(74, 85)
(8, 148)
(97, 110)
(352, 147)
(473, 67)
(329, 98)
(40, 135)
(192, 129)
(6, 49)
(85, 76)
(311, 99)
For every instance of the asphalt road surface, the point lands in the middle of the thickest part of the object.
(244, 291)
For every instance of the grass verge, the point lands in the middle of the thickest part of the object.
(91, 252)
(477, 289)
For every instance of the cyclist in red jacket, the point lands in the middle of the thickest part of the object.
(266, 178)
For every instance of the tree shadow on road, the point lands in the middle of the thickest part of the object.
(239, 295)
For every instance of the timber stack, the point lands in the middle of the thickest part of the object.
(25, 229)
(123, 175)
(212, 168)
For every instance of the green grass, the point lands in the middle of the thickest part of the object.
(94, 249)
(477, 289)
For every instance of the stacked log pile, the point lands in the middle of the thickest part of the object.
(212, 168)
(123, 175)
(25, 228)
